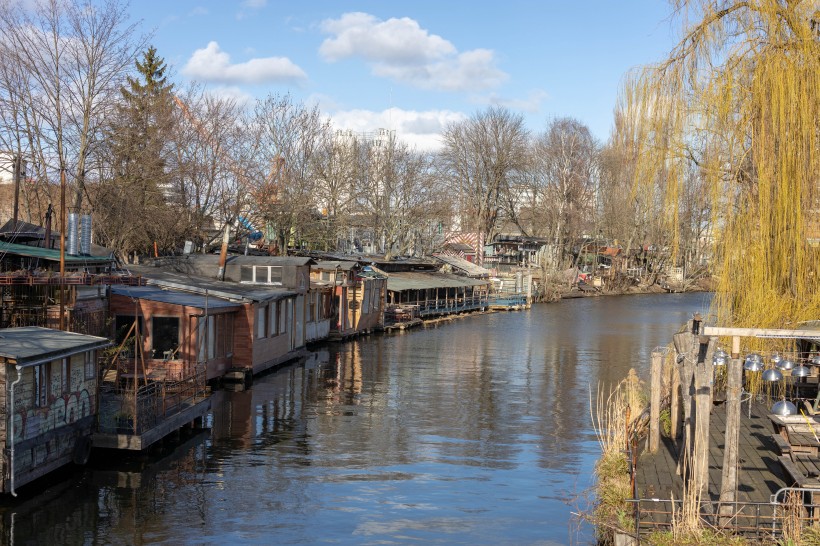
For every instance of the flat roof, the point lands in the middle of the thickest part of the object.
(418, 280)
(32, 345)
(51, 254)
(473, 270)
(227, 290)
(174, 297)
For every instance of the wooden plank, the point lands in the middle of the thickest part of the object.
(760, 332)
(782, 444)
(792, 471)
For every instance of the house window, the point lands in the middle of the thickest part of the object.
(261, 274)
(283, 316)
(223, 335)
(261, 327)
(90, 365)
(312, 307)
(40, 385)
(122, 326)
(326, 276)
(165, 335)
(65, 377)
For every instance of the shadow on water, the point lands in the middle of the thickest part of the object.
(473, 432)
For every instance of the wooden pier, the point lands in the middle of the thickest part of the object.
(759, 471)
(729, 461)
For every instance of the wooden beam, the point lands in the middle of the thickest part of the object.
(760, 332)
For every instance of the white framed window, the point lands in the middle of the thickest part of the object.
(90, 364)
(261, 274)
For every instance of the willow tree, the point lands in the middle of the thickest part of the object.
(737, 102)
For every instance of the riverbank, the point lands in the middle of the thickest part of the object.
(585, 290)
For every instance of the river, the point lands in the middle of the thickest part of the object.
(475, 431)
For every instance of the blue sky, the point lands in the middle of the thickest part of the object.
(414, 66)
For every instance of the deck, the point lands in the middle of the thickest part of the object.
(194, 409)
(760, 474)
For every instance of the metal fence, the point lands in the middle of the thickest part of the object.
(125, 409)
(762, 521)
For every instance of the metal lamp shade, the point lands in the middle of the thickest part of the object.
(753, 363)
(720, 358)
(800, 371)
(776, 358)
(772, 374)
(815, 360)
(783, 408)
(786, 364)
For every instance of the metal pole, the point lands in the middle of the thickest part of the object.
(62, 247)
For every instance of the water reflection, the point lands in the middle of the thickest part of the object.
(474, 432)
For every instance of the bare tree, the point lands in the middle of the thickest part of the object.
(290, 135)
(399, 196)
(565, 166)
(336, 165)
(213, 163)
(74, 56)
(479, 157)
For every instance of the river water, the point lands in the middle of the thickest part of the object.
(476, 431)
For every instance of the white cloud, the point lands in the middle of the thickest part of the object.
(248, 6)
(211, 64)
(421, 130)
(401, 50)
(399, 41)
(530, 104)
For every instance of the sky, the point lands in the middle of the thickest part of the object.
(414, 66)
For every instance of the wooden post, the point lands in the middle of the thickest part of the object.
(655, 401)
(703, 410)
(728, 478)
(686, 346)
(674, 403)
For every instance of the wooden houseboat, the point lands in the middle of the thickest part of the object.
(225, 326)
(49, 401)
(358, 298)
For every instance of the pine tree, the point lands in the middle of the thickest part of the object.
(135, 207)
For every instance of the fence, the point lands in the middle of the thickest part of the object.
(763, 521)
(126, 410)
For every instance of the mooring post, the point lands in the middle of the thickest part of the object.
(655, 401)
(687, 351)
(703, 410)
(728, 478)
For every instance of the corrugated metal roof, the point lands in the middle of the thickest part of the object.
(213, 259)
(227, 290)
(33, 345)
(473, 270)
(330, 265)
(174, 297)
(417, 280)
(50, 254)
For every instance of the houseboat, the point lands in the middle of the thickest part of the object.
(49, 402)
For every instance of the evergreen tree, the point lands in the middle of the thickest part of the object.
(135, 207)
